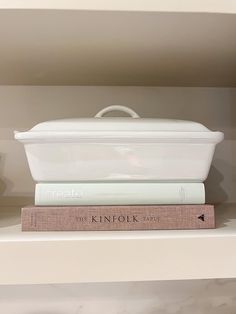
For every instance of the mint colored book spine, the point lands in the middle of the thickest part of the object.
(69, 194)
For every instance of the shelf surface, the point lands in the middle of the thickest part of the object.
(102, 43)
(216, 6)
(67, 257)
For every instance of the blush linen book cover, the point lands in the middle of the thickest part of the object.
(139, 217)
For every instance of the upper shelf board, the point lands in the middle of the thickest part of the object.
(92, 47)
(210, 6)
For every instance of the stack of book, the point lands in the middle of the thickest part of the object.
(118, 206)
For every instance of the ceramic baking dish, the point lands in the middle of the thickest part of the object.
(119, 149)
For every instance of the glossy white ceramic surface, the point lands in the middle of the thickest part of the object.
(119, 149)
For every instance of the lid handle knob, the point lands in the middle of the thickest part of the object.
(125, 109)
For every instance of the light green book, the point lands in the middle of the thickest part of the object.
(70, 194)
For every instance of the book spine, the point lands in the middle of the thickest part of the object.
(94, 218)
(50, 194)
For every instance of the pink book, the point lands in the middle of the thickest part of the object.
(135, 217)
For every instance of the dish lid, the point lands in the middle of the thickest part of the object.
(124, 126)
(132, 123)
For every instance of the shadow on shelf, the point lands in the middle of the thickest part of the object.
(224, 214)
(9, 205)
(215, 194)
(6, 184)
(3, 183)
(9, 216)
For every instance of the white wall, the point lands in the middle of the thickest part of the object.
(21, 107)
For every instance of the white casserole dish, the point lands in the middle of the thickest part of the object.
(119, 149)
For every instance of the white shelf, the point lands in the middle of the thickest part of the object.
(118, 43)
(30, 258)
(216, 6)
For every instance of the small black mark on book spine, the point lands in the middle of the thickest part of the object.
(202, 217)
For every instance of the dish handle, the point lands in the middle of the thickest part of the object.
(125, 109)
